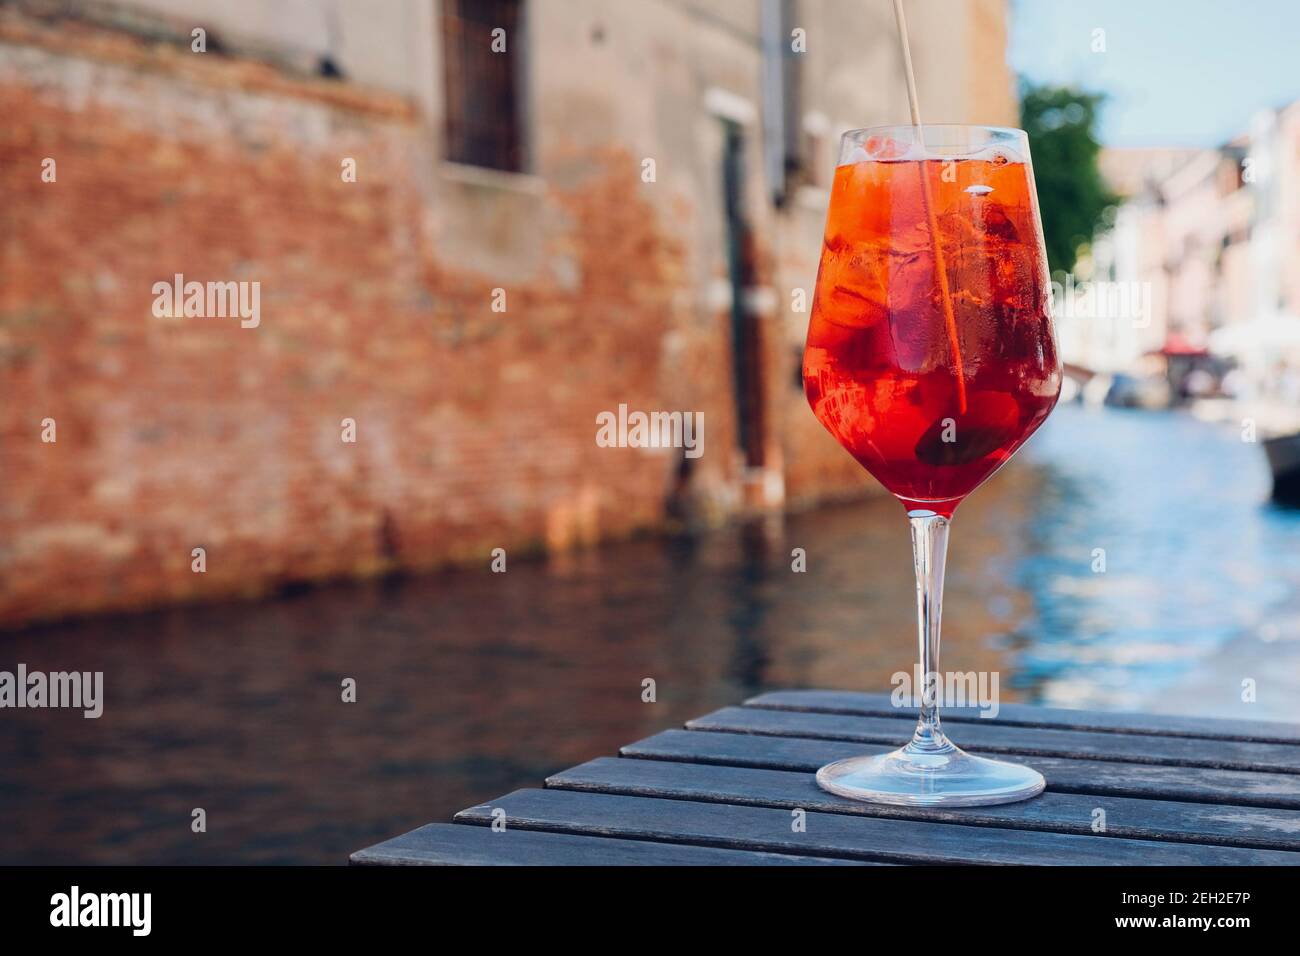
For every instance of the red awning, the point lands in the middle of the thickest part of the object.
(1178, 344)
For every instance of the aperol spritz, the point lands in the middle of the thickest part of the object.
(931, 358)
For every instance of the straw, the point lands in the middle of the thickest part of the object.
(915, 103)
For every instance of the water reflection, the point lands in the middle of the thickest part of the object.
(1198, 568)
(471, 684)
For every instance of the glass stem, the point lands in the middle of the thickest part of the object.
(929, 552)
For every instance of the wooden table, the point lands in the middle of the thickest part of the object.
(724, 791)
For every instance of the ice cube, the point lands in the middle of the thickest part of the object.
(851, 287)
(994, 221)
(856, 155)
(886, 147)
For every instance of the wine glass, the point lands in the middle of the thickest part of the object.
(931, 358)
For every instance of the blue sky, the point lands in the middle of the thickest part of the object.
(1179, 72)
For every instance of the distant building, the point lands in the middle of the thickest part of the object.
(475, 226)
(1214, 235)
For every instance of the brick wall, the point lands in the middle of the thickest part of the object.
(475, 429)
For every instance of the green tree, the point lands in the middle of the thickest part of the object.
(1061, 122)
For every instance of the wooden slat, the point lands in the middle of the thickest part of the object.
(1054, 812)
(451, 844)
(1103, 778)
(1168, 725)
(990, 737)
(840, 835)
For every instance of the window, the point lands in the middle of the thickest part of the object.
(482, 47)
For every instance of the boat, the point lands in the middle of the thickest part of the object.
(1283, 453)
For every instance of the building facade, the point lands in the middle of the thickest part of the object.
(471, 228)
(1213, 238)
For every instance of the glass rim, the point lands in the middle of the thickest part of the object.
(944, 141)
(885, 128)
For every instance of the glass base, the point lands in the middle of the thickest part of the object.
(947, 777)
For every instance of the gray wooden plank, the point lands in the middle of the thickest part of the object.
(1169, 725)
(1064, 775)
(840, 835)
(451, 844)
(1054, 812)
(990, 737)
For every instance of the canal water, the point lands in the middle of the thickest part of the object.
(1124, 560)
